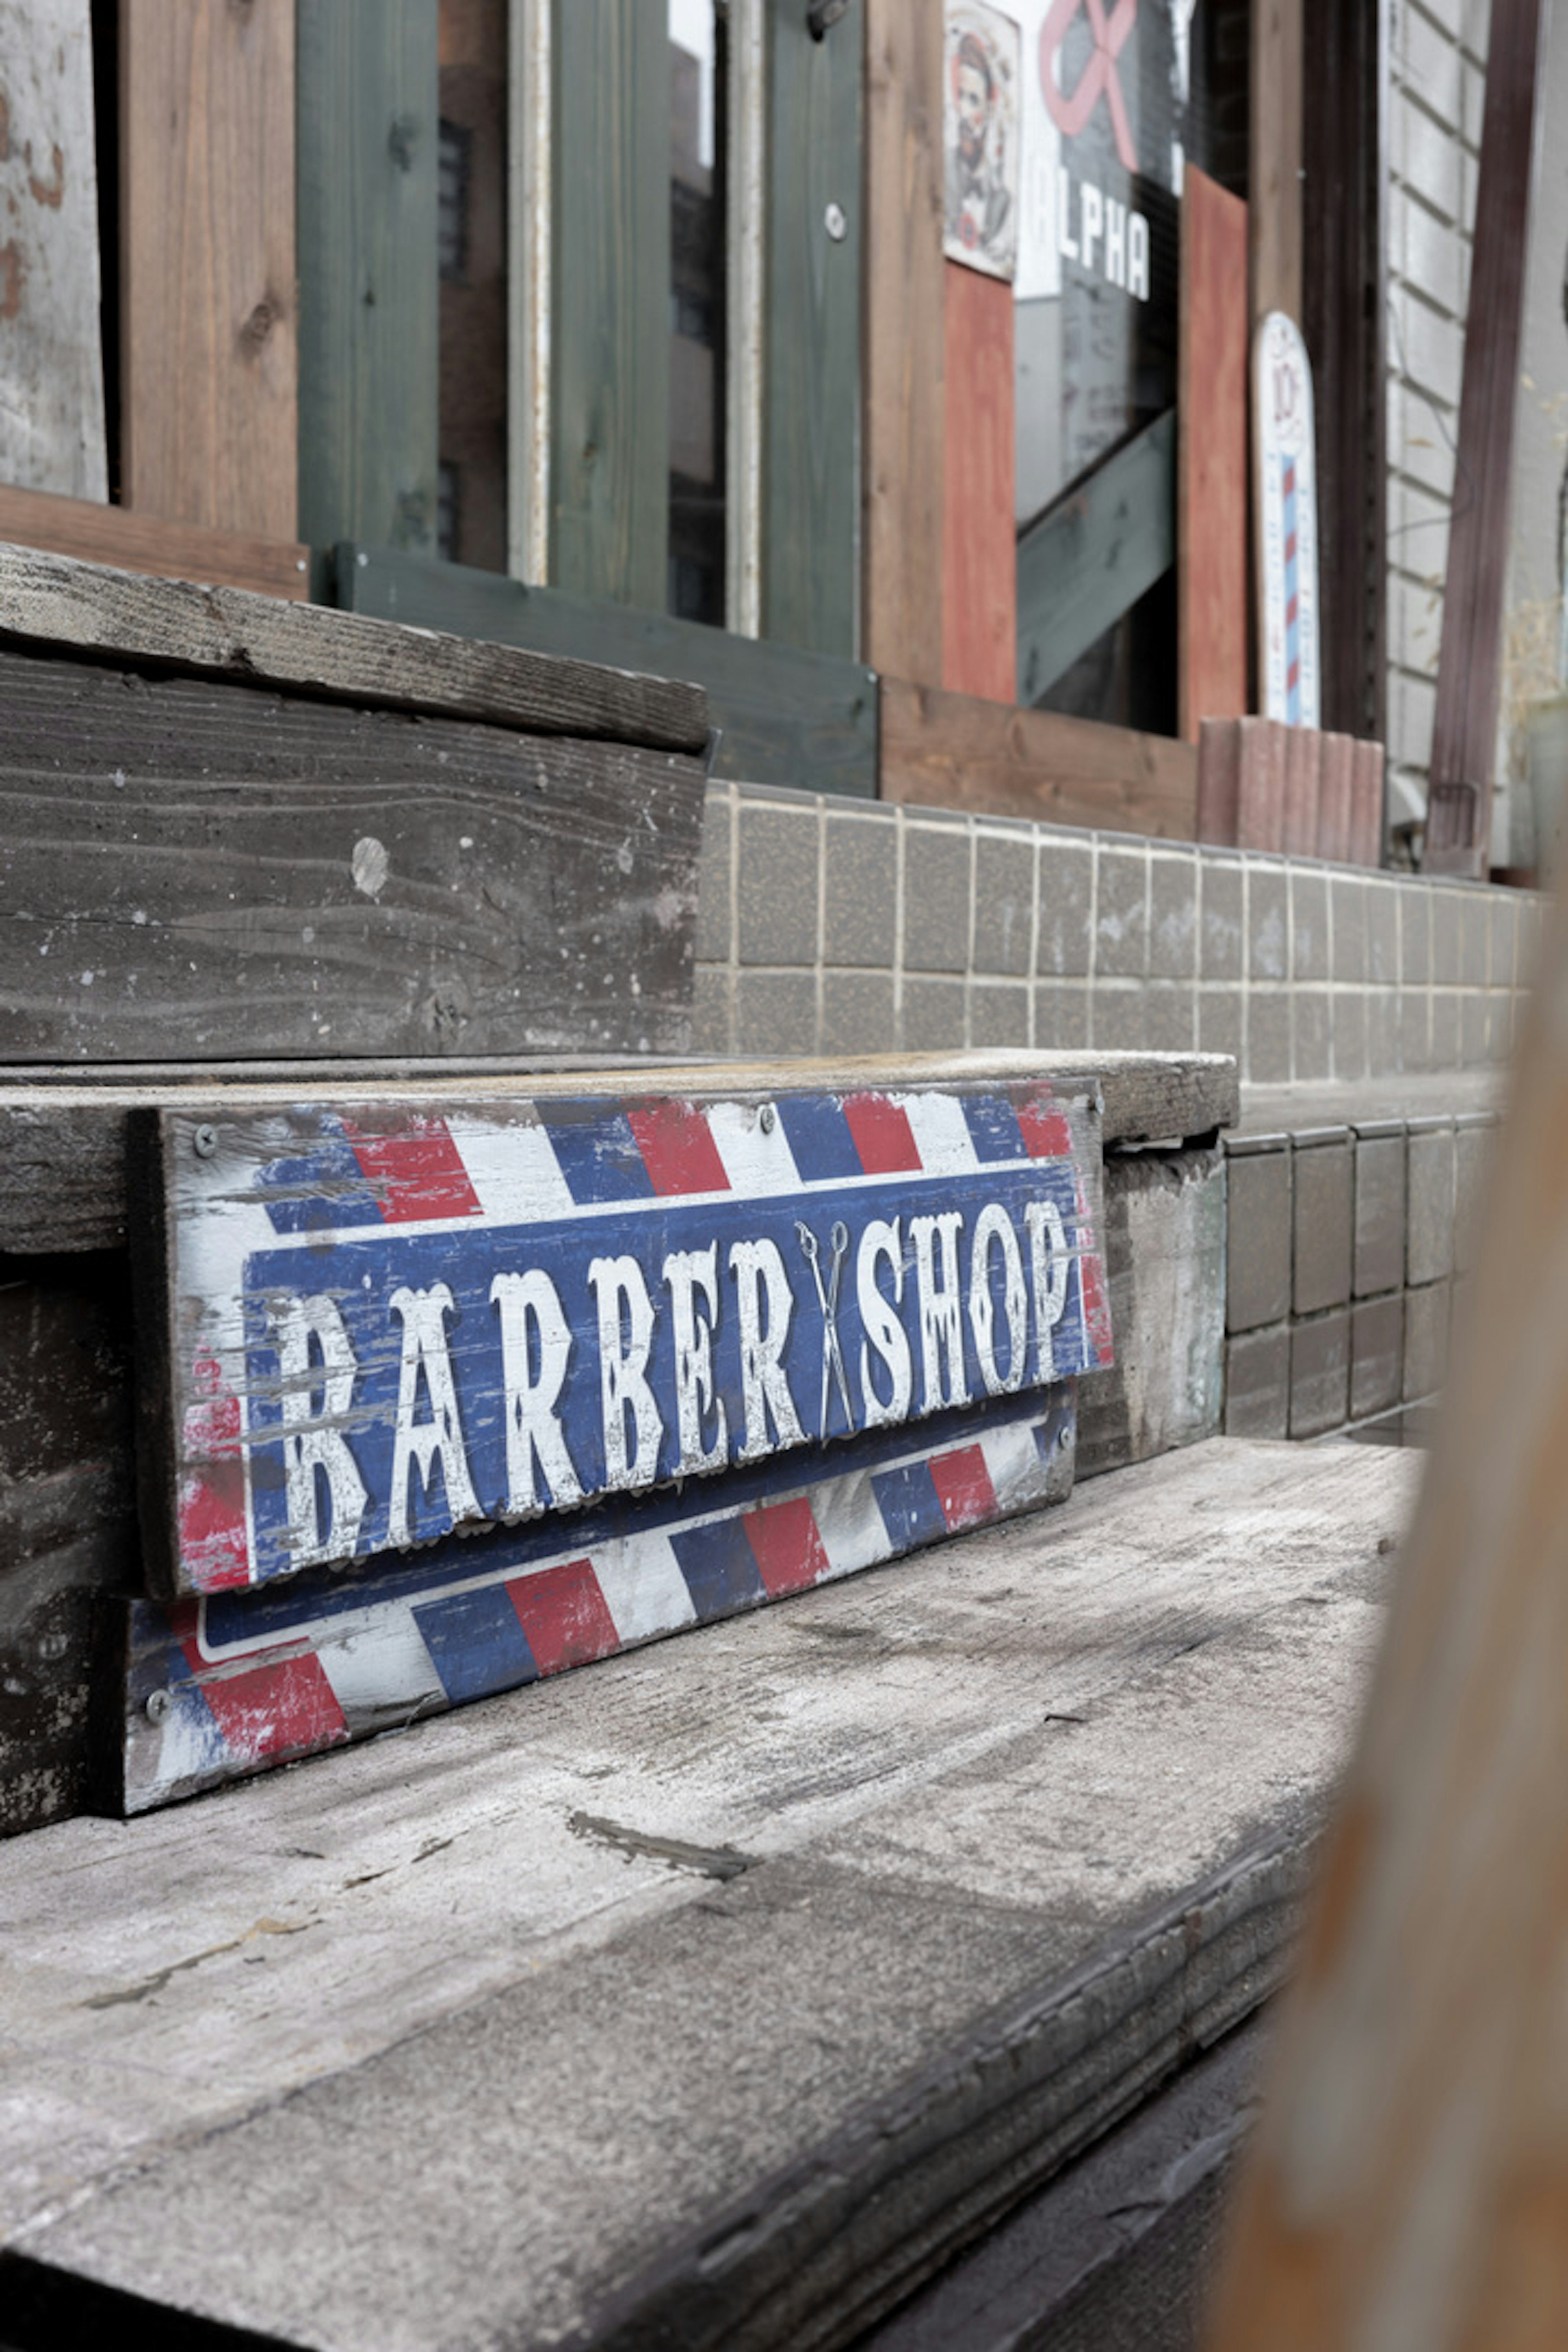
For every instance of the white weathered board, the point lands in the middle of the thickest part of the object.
(1284, 440)
(51, 362)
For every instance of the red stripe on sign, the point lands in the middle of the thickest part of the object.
(1289, 481)
(416, 1174)
(963, 1487)
(882, 1136)
(214, 1552)
(1290, 612)
(282, 1709)
(1046, 1135)
(563, 1614)
(1294, 678)
(787, 1545)
(678, 1148)
(1290, 549)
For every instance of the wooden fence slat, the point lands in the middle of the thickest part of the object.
(1091, 555)
(609, 325)
(1219, 781)
(980, 595)
(1275, 145)
(1366, 805)
(51, 362)
(1211, 457)
(1303, 773)
(1334, 798)
(208, 378)
(366, 184)
(139, 542)
(1260, 798)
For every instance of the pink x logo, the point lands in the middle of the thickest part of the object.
(1071, 110)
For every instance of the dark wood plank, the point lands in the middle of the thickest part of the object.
(209, 359)
(784, 717)
(1261, 801)
(1090, 557)
(367, 78)
(1334, 799)
(140, 542)
(811, 388)
(52, 601)
(1219, 781)
(1464, 726)
(1303, 785)
(1274, 179)
(955, 751)
(190, 869)
(980, 588)
(1366, 813)
(609, 317)
(903, 458)
(1212, 459)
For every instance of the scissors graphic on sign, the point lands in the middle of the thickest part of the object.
(827, 1299)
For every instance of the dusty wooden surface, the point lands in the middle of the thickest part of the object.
(210, 355)
(723, 1988)
(1211, 457)
(54, 601)
(1164, 1229)
(63, 1130)
(957, 750)
(190, 866)
(51, 365)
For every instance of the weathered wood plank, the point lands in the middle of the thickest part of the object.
(1334, 799)
(1261, 804)
(903, 458)
(208, 367)
(1088, 557)
(1211, 457)
(54, 601)
(811, 392)
(1164, 1253)
(1366, 818)
(63, 1131)
(366, 154)
(1303, 792)
(783, 716)
(51, 364)
(147, 543)
(609, 324)
(1274, 209)
(1219, 781)
(953, 751)
(980, 587)
(193, 868)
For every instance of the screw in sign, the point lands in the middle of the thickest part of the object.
(1285, 462)
(1070, 109)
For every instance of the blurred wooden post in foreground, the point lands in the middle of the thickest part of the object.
(1409, 2188)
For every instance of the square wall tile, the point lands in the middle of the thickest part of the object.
(1415, 1029)
(1257, 1383)
(712, 1010)
(1170, 1021)
(1004, 903)
(1122, 914)
(1474, 1028)
(933, 1015)
(1221, 928)
(1473, 1146)
(1319, 1374)
(1350, 956)
(1383, 933)
(1475, 923)
(859, 891)
(1414, 933)
(775, 1013)
(1383, 1014)
(1172, 915)
(715, 929)
(936, 899)
(1377, 1355)
(1505, 935)
(1445, 1029)
(1425, 1340)
(1322, 1225)
(1061, 1014)
(857, 1013)
(1308, 924)
(1067, 890)
(1429, 1202)
(1347, 1007)
(1309, 1033)
(1448, 944)
(1119, 1019)
(1258, 1238)
(999, 1013)
(1379, 1214)
(1267, 924)
(1268, 1036)
(777, 899)
(1220, 1021)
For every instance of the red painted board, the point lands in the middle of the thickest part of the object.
(1334, 799)
(1211, 457)
(1366, 805)
(1303, 768)
(980, 594)
(1260, 798)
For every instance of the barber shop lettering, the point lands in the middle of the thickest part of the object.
(458, 1323)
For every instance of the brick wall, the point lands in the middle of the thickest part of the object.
(834, 927)
(1437, 82)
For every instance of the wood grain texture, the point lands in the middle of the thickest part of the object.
(1274, 209)
(1464, 726)
(51, 362)
(52, 601)
(1407, 2183)
(904, 453)
(140, 542)
(954, 750)
(609, 325)
(1334, 798)
(1211, 457)
(1088, 557)
(1303, 786)
(1219, 781)
(366, 137)
(196, 868)
(979, 572)
(1261, 801)
(811, 390)
(209, 358)
(783, 716)
(1366, 816)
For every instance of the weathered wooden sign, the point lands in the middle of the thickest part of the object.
(1285, 447)
(453, 1395)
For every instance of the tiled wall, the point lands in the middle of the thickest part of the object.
(1347, 1249)
(826, 927)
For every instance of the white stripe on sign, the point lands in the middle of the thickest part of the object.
(382, 1666)
(642, 1584)
(513, 1169)
(853, 1530)
(757, 1158)
(941, 1132)
(1015, 1465)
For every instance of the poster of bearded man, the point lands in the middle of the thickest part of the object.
(979, 137)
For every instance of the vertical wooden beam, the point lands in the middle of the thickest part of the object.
(980, 570)
(1464, 729)
(366, 116)
(609, 428)
(51, 362)
(1212, 458)
(528, 205)
(1274, 180)
(811, 401)
(744, 328)
(208, 349)
(903, 458)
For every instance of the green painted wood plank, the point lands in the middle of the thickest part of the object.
(609, 329)
(366, 116)
(1088, 557)
(785, 716)
(811, 421)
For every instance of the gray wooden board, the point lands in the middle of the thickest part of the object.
(63, 1130)
(728, 1987)
(1164, 1223)
(56, 602)
(784, 716)
(1088, 559)
(190, 867)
